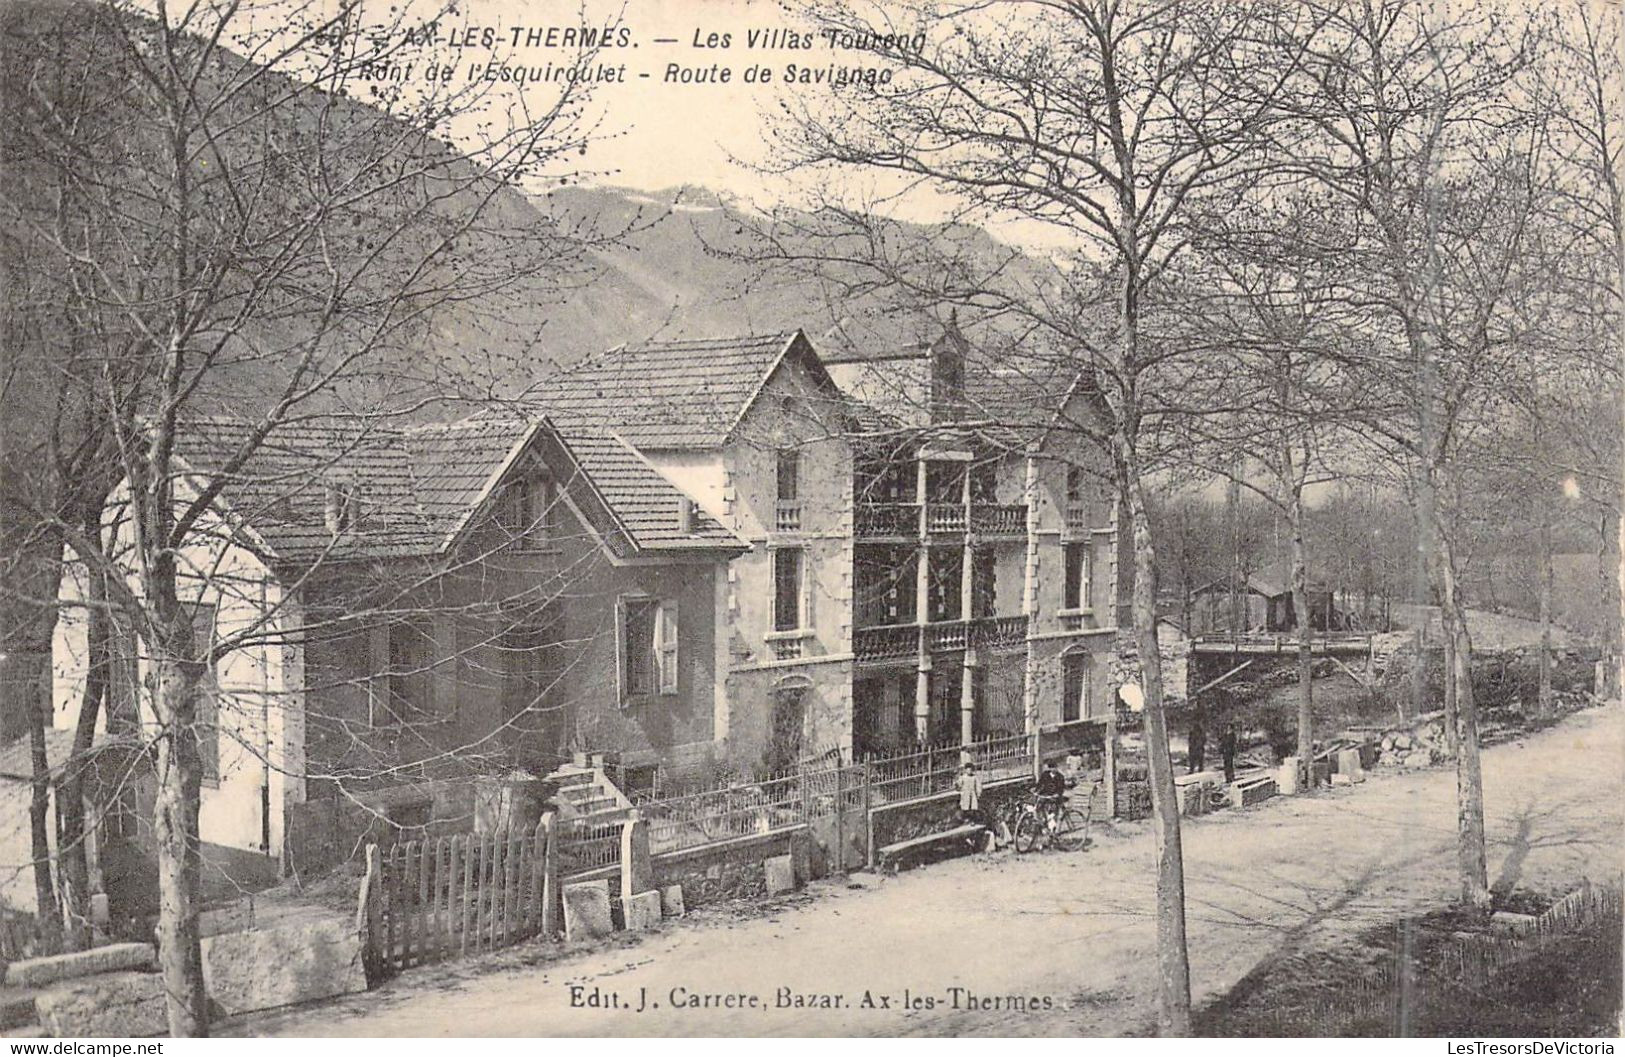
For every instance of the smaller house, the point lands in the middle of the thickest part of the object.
(1260, 603)
(388, 613)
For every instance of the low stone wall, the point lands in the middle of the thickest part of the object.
(932, 814)
(732, 870)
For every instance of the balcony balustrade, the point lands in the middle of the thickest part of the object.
(886, 643)
(886, 520)
(947, 635)
(1000, 632)
(1077, 516)
(945, 517)
(998, 519)
(787, 516)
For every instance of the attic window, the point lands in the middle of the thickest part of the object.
(526, 511)
(343, 506)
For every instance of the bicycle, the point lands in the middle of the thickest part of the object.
(1031, 827)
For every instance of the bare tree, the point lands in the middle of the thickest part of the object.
(1100, 124)
(243, 209)
(1406, 122)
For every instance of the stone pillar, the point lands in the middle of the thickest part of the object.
(1029, 598)
(967, 698)
(922, 694)
(1109, 767)
(637, 869)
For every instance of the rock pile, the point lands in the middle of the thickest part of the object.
(1422, 745)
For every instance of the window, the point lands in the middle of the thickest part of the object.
(789, 476)
(1075, 590)
(407, 688)
(207, 723)
(1075, 669)
(526, 511)
(984, 582)
(984, 482)
(1074, 485)
(787, 572)
(648, 645)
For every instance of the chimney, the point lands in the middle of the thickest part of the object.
(947, 378)
(685, 516)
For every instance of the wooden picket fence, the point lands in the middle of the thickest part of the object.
(429, 900)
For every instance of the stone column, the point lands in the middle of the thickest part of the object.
(922, 694)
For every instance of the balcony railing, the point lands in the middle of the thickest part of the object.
(945, 517)
(1077, 516)
(998, 519)
(787, 516)
(886, 520)
(947, 635)
(1000, 632)
(886, 643)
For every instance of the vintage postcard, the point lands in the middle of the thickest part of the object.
(811, 518)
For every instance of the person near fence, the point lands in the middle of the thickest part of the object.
(969, 785)
(1227, 750)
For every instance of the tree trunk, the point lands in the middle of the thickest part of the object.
(1543, 701)
(1470, 850)
(1306, 661)
(175, 829)
(39, 801)
(74, 866)
(1174, 1005)
(1608, 573)
(1451, 733)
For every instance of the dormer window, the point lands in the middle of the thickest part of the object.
(526, 511)
(343, 506)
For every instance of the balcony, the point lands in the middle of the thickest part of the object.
(1000, 633)
(947, 635)
(886, 643)
(998, 519)
(1077, 516)
(945, 517)
(787, 516)
(886, 520)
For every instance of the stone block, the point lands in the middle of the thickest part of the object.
(107, 1005)
(278, 966)
(586, 910)
(37, 972)
(1286, 777)
(781, 874)
(641, 911)
(236, 916)
(1348, 762)
(671, 901)
(1342, 779)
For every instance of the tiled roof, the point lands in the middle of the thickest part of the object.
(667, 395)
(418, 487)
(641, 497)
(281, 492)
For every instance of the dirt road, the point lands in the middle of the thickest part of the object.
(1051, 944)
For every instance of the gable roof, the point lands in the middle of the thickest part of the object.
(674, 395)
(420, 488)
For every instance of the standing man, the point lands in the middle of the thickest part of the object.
(1227, 749)
(1196, 741)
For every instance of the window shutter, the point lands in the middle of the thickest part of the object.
(622, 681)
(666, 646)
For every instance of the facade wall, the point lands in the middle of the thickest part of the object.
(260, 757)
(570, 586)
(769, 667)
